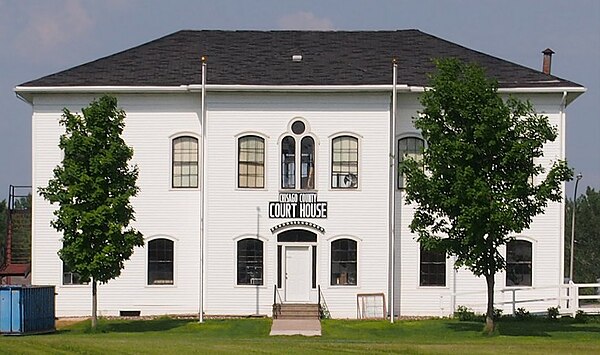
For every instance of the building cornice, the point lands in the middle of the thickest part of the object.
(27, 92)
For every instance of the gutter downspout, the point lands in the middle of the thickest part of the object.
(202, 192)
(392, 190)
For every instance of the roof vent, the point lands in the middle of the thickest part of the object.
(297, 58)
(547, 64)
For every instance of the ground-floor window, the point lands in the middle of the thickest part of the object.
(432, 268)
(518, 263)
(249, 262)
(343, 262)
(160, 262)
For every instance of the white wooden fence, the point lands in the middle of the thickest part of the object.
(566, 297)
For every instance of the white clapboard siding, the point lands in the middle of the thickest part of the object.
(233, 213)
(160, 210)
(546, 235)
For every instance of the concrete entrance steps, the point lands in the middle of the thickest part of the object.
(296, 311)
(296, 319)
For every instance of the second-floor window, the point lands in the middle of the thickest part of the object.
(185, 162)
(344, 163)
(408, 148)
(298, 159)
(251, 162)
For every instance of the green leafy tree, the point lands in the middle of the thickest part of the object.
(93, 186)
(476, 189)
(586, 265)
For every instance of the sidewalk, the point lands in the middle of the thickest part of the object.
(306, 327)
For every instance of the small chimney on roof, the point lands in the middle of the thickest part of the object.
(547, 64)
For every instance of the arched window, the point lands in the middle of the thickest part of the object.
(185, 162)
(432, 268)
(307, 177)
(518, 263)
(251, 162)
(160, 262)
(343, 262)
(344, 163)
(288, 163)
(298, 158)
(250, 262)
(408, 148)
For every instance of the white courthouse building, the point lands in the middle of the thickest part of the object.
(277, 179)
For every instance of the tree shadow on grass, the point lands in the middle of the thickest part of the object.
(140, 326)
(466, 326)
(125, 326)
(537, 328)
(544, 328)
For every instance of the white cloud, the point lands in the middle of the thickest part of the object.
(49, 26)
(303, 20)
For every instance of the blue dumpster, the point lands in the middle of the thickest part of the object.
(26, 309)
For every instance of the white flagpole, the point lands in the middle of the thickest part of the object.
(202, 192)
(393, 190)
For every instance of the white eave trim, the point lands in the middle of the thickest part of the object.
(544, 90)
(197, 87)
(27, 92)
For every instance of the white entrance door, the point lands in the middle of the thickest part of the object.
(297, 273)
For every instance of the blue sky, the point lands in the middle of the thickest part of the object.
(41, 37)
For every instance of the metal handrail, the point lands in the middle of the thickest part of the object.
(323, 309)
(276, 296)
(276, 305)
(13, 196)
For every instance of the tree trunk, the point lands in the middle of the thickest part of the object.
(94, 305)
(490, 326)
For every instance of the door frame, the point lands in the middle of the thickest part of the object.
(287, 240)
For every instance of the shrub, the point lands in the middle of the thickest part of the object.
(522, 313)
(553, 312)
(497, 313)
(581, 317)
(465, 314)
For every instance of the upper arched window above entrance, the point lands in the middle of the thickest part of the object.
(298, 157)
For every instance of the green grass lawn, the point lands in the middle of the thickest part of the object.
(241, 336)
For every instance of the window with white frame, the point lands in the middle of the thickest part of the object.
(71, 278)
(160, 261)
(298, 158)
(250, 262)
(344, 162)
(185, 162)
(408, 148)
(519, 263)
(344, 262)
(251, 162)
(432, 270)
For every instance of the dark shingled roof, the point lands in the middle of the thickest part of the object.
(265, 58)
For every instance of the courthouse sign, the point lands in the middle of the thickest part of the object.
(297, 205)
